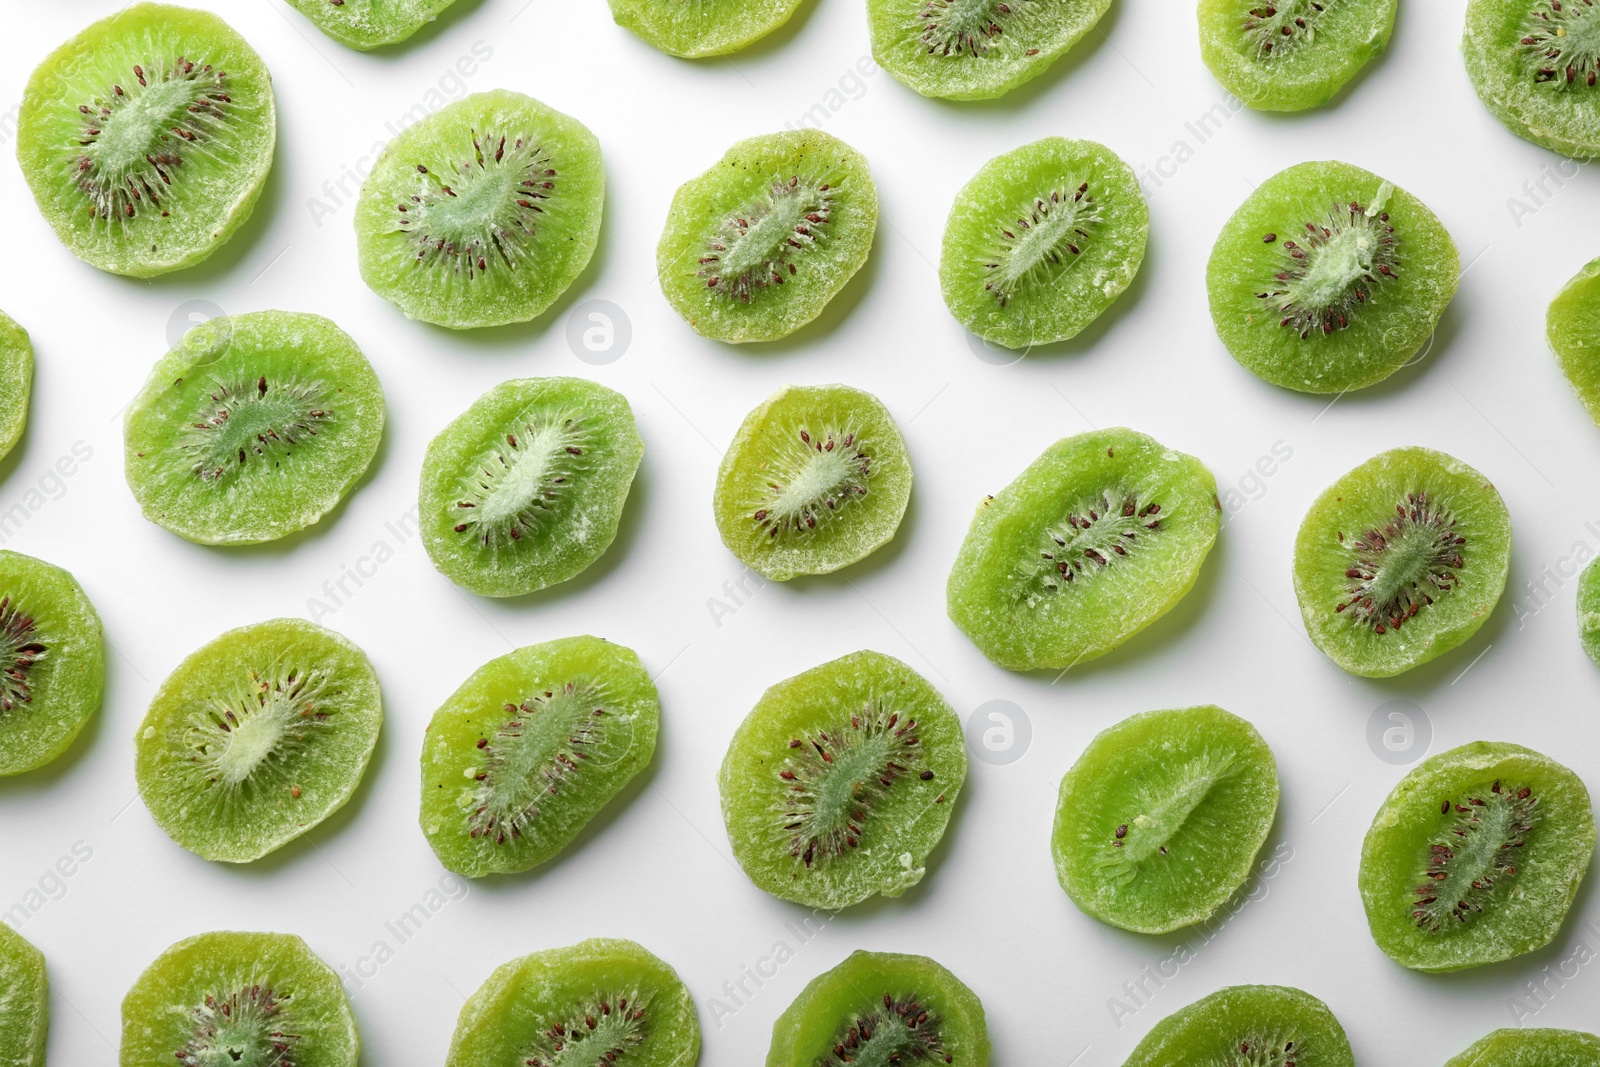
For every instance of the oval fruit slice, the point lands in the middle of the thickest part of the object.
(1572, 326)
(1531, 1048)
(1475, 857)
(1534, 64)
(368, 24)
(1247, 1024)
(25, 1005)
(1159, 822)
(526, 488)
(16, 382)
(1290, 55)
(257, 737)
(1097, 539)
(703, 28)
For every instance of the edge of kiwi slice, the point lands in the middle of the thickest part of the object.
(704, 28)
(1572, 327)
(24, 1001)
(1535, 64)
(368, 24)
(16, 382)
(1530, 1047)
(1291, 55)
(1269, 1025)
(1589, 610)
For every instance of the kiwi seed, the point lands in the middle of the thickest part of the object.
(244, 1026)
(826, 475)
(759, 245)
(1095, 536)
(1475, 853)
(1396, 570)
(1332, 269)
(904, 1029)
(20, 649)
(598, 1032)
(530, 756)
(513, 491)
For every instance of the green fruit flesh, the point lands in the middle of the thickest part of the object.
(526, 488)
(1531, 1048)
(884, 1008)
(1159, 822)
(1247, 1026)
(368, 24)
(238, 999)
(698, 28)
(1589, 611)
(253, 428)
(1401, 560)
(756, 246)
(1097, 539)
(1041, 241)
(257, 737)
(839, 783)
(816, 478)
(1572, 326)
(16, 382)
(1536, 66)
(1290, 55)
(1475, 857)
(24, 1002)
(483, 213)
(147, 138)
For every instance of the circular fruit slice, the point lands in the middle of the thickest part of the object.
(25, 1004)
(1159, 822)
(1536, 66)
(883, 1008)
(601, 1001)
(1589, 610)
(368, 24)
(52, 662)
(839, 783)
(816, 479)
(1475, 857)
(257, 737)
(16, 382)
(254, 427)
(756, 246)
(530, 749)
(483, 213)
(1289, 55)
(1401, 560)
(1247, 1024)
(1572, 326)
(146, 139)
(526, 488)
(237, 998)
(1329, 278)
(704, 27)
(1531, 1048)
(1096, 540)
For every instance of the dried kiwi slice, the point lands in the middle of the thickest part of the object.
(1401, 560)
(882, 1008)
(483, 213)
(146, 138)
(253, 427)
(1273, 1026)
(1329, 278)
(52, 662)
(1589, 610)
(1159, 822)
(756, 246)
(816, 479)
(526, 487)
(238, 998)
(368, 24)
(1572, 326)
(601, 1001)
(1531, 1048)
(257, 737)
(1536, 66)
(24, 1002)
(839, 783)
(1096, 540)
(1475, 857)
(16, 382)
(1041, 241)
(532, 747)
(1289, 55)
(700, 28)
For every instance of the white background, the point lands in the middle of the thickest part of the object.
(657, 868)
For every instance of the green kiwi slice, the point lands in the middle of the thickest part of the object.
(882, 1008)
(1475, 857)
(483, 213)
(702, 28)
(1096, 540)
(147, 138)
(254, 427)
(1572, 326)
(254, 1000)
(756, 246)
(368, 24)
(839, 783)
(1248, 1026)
(530, 749)
(1041, 241)
(52, 662)
(601, 1001)
(24, 1002)
(1401, 560)
(1329, 278)
(1159, 822)
(1589, 610)
(1534, 1047)
(1536, 66)
(16, 382)
(1290, 55)
(526, 487)
(257, 737)
(816, 479)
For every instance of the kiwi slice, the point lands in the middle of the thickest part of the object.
(1536, 66)
(52, 662)
(1096, 540)
(532, 747)
(1247, 1026)
(1041, 241)
(526, 487)
(146, 139)
(756, 246)
(368, 24)
(1159, 822)
(257, 737)
(601, 1001)
(699, 28)
(254, 1000)
(816, 479)
(839, 783)
(1589, 610)
(1475, 857)
(24, 1002)
(16, 382)
(1401, 560)
(1531, 1048)
(1329, 278)
(254, 427)
(882, 1008)
(1572, 326)
(1290, 55)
